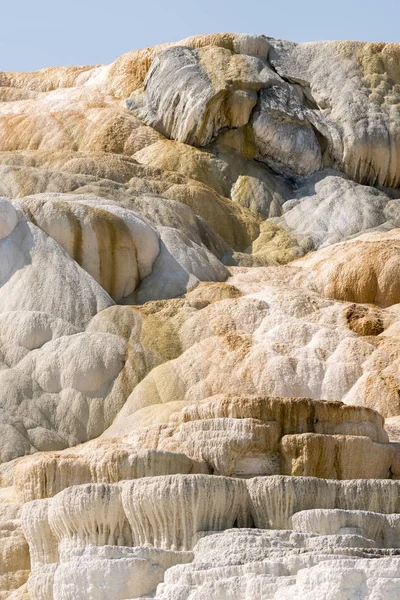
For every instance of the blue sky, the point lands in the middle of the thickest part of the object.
(40, 33)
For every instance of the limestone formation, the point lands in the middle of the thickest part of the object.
(130, 535)
(200, 324)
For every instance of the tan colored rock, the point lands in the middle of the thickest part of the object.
(362, 271)
(20, 594)
(45, 475)
(15, 562)
(236, 224)
(226, 435)
(335, 457)
(191, 162)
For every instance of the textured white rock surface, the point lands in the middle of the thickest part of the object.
(8, 218)
(330, 208)
(271, 565)
(180, 265)
(36, 273)
(342, 96)
(171, 364)
(111, 572)
(93, 531)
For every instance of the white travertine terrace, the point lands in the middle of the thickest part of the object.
(148, 525)
(200, 324)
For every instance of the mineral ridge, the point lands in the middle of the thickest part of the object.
(200, 324)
